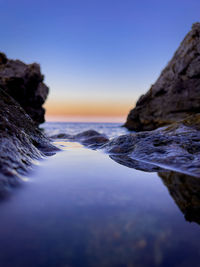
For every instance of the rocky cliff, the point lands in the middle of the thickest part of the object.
(21, 142)
(25, 84)
(176, 93)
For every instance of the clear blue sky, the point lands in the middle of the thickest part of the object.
(96, 51)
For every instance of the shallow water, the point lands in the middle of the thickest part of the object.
(80, 208)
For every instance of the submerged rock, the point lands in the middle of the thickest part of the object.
(90, 138)
(176, 93)
(176, 147)
(21, 142)
(24, 82)
(185, 190)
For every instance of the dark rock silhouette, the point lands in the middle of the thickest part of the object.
(25, 84)
(176, 93)
(21, 142)
(185, 190)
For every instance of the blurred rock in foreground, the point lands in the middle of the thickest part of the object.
(176, 93)
(21, 142)
(25, 84)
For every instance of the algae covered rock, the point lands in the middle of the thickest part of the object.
(24, 82)
(176, 93)
(21, 142)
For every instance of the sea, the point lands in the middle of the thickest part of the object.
(79, 208)
(111, 130)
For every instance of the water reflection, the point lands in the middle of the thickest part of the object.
(81, 209)
(183, 188)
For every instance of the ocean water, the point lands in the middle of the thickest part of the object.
(110, 129)
(81, 208)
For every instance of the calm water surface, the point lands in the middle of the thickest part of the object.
(80, 208)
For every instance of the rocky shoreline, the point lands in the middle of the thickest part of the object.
(166, 117)
(175, 147)
(21, 141)
(167, 121)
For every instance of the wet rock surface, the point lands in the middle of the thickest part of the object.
(90, 138)
(135, 164)
(176, 93)
(176, 147)
(24, 82)
(21, 142)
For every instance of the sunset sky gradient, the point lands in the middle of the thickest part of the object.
(98, 56)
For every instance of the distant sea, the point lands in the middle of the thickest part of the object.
(109, 129)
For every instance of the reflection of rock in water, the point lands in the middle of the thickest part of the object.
(185, 190)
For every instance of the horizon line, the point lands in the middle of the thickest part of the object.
(97, 119)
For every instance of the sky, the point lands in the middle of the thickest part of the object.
(98, 56)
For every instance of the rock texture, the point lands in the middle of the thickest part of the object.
(135, 164)
(176, 93)
(25, 84)
(21, 142)
(174, 147)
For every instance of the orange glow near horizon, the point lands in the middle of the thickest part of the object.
(90, 111)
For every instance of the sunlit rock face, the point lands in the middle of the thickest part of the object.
(175, 147)
(21, 142)
(176, 93)
(185, 190)
(25, 84)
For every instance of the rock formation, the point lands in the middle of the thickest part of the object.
(174, 147)
(21, 142)
(176, 93)
(25, 84)
(135, 164)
